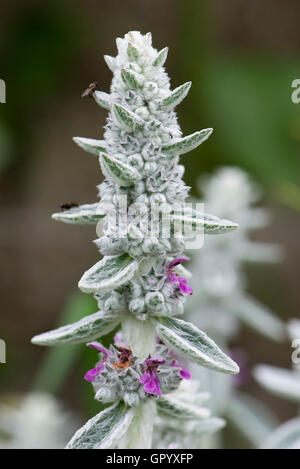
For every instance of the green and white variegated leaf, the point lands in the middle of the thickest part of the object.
(85, 330)
(127, 119)
(117, 171)
(90, 145)
(109, 273)
(87, 214)
(287, 436)
(133, 52)
(105, 430)
(187, 340)
(175, 97)
(207, 224)
(294, 329)
(103, 99)
(131, 78)
(257, 316)
(139, 433)
(161, 57)
(169, 405)
(279, 381)
(250, 417)
(186, 144)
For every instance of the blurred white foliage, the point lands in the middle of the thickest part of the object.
(284, 383)
(35, 421)
(220, 303)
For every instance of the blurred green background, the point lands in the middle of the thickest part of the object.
(241, 57)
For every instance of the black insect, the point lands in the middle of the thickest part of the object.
(90, 89)
(68, 205)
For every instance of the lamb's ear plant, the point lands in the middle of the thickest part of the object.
(138, 283)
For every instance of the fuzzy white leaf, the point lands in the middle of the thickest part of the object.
(85, 330)
(287, 436)
(258, 317)
(186, 144)
(250, 417)
(105, 430)
(281, 382)
(169, 405)
(175, 97)
(294, 329)
(127, 119)
(161, 57)
(102, 99)
(87, 214)
(109, 273)
(207, 224)
(117, 171)
(90, 145)
(187, 340)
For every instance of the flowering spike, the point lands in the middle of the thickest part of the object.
(103, 99)
(134, 283)
(186, 144)
(175, 97)
(161, 58)
(90, 145)
(126, 118)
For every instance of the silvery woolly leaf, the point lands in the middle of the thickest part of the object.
(105, 430)
(110, 62)
(250, 417)
(85, 330)
(207, 224)
(139, 335)
(187, 340)
(258, 317)
(127, 119)
(161, 57)
(87, 214)
(186, 144)
(169, 405)
(287, 436)
(117, 171)
(102, 99)
(175, 97)
(279, 381)
(109, 273)
(90, 145)
(132, 52)
(131, 79)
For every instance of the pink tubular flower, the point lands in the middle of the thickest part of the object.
(92, 374)
(184, 373)
(175, 278)
(150, 379)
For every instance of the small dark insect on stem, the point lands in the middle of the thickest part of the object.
(68, 205)
(90, 89)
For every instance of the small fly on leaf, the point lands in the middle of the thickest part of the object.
(90, 89)
(68, 205)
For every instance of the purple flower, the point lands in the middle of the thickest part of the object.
(184, 373)
(92, 374)
(173, 277)
(149, 378)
